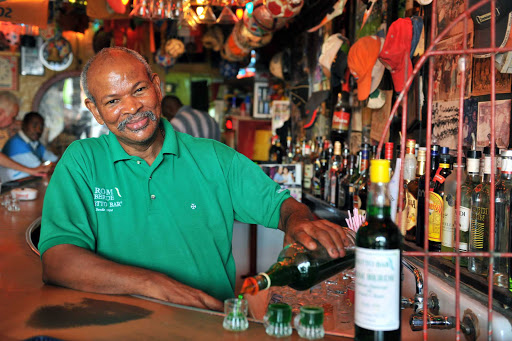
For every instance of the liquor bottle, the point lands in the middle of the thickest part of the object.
(388, 155)
(300, 268)
(276, 152)
(466, 191)
(410, 163)
(327, 180)
(378, 264)
(361, 184)
(436, 205)
(450, 193)
(336, 164)
(317, 169)
(393, 189)
(411, 197)
(341, 118)
(289, 149)
(420, 226)
(479, 228)
(502, 218)
(308, 169)
(345, 200)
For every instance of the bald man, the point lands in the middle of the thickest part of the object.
(149, 211)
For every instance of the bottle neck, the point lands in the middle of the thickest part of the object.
(378, 201)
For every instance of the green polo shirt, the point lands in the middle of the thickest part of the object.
(175, 216)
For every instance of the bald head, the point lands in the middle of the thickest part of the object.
(108, 55)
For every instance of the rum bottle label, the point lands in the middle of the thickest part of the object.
(340, 120)
(377, 289)
(412, 210)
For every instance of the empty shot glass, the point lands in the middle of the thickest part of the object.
(278, 320)
(236, 314)
(310, 322)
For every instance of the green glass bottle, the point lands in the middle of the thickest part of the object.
(378, 264)
(300, 268)
(502, 221)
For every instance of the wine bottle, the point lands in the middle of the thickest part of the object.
(378, 264)
(361, 184)
(450, 194)
(336, 166)
(300, 268)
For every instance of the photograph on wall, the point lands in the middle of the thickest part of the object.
(445, 120)
(447, 12)
(470, 122)
(482, 78)
(447, 78)
(280, 113)
(289, 176)
(501, 123)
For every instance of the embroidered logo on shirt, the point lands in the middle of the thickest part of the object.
(105, 199)
(193, 206)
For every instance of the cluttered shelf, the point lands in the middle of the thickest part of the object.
(440, 266)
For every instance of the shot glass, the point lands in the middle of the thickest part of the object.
(14, 205)
(236, 314)
(278, 320)
(310, 322)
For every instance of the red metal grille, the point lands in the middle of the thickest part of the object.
(430, 52)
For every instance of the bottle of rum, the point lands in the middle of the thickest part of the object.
(450, 193)
(336, 165)
(345, 200)
(436, 204)
(378, 264)
(479, 228)
(361, 184)
(300, 268)
(420, 226)
(275, 154)
(341, 118)
(411, 197)
(466, 191)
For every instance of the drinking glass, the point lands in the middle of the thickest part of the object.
(236, 314)
(310, 322)
(278, 320)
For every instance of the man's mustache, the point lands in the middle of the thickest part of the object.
(122, 125)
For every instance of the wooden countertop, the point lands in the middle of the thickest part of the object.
(30, 308)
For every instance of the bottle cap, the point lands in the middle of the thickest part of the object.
(337, 148)
(422, 154)
(379, 171)
(411, 143)
(506, 153)
(388, 154)
(474, 154)
(445, 150)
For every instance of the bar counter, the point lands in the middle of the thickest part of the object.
(29, 308)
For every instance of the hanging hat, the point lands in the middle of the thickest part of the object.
(417, 29)
(330, 49)
(363, 62)
(316, 99)
(376, 100)
(396, 49)
(482, 24)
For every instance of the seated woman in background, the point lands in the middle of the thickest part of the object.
(25, 148)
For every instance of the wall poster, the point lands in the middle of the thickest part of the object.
(501, 123)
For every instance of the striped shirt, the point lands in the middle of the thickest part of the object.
(196, 123)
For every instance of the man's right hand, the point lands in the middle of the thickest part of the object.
(40, 170)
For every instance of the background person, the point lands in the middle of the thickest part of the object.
(9, 108)
(188, 120)
(25, 147)
(147, 210)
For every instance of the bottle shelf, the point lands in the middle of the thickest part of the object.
(474, 285)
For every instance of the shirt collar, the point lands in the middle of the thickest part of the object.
(170, 145)
(27, 139)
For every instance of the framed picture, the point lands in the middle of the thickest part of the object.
(280, 112)
(289, 176)
(261, 105)
(30, 62)
(8, 71)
